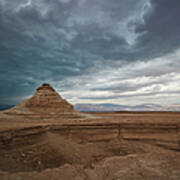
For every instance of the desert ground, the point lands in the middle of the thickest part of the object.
(103, 146)
(36, 144)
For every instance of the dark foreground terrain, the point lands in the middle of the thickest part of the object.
(96, 146)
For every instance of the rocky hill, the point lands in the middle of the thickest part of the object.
(45, 103)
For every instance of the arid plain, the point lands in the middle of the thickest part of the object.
(45, 138)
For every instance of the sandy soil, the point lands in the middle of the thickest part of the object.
(96, 146)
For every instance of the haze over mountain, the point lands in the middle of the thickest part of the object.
(117, 107)
(91, 51)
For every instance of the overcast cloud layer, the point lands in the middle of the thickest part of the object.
(91, 51)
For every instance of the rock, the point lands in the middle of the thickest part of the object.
(45, 103)
(23, 154)
(47, 99)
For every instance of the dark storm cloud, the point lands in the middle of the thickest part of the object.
(162, 28)
(67, 43)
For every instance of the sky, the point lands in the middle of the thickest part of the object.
(91, 51)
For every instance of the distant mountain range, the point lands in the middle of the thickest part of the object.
(5, 106)
(117, 107)
(107, 107)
